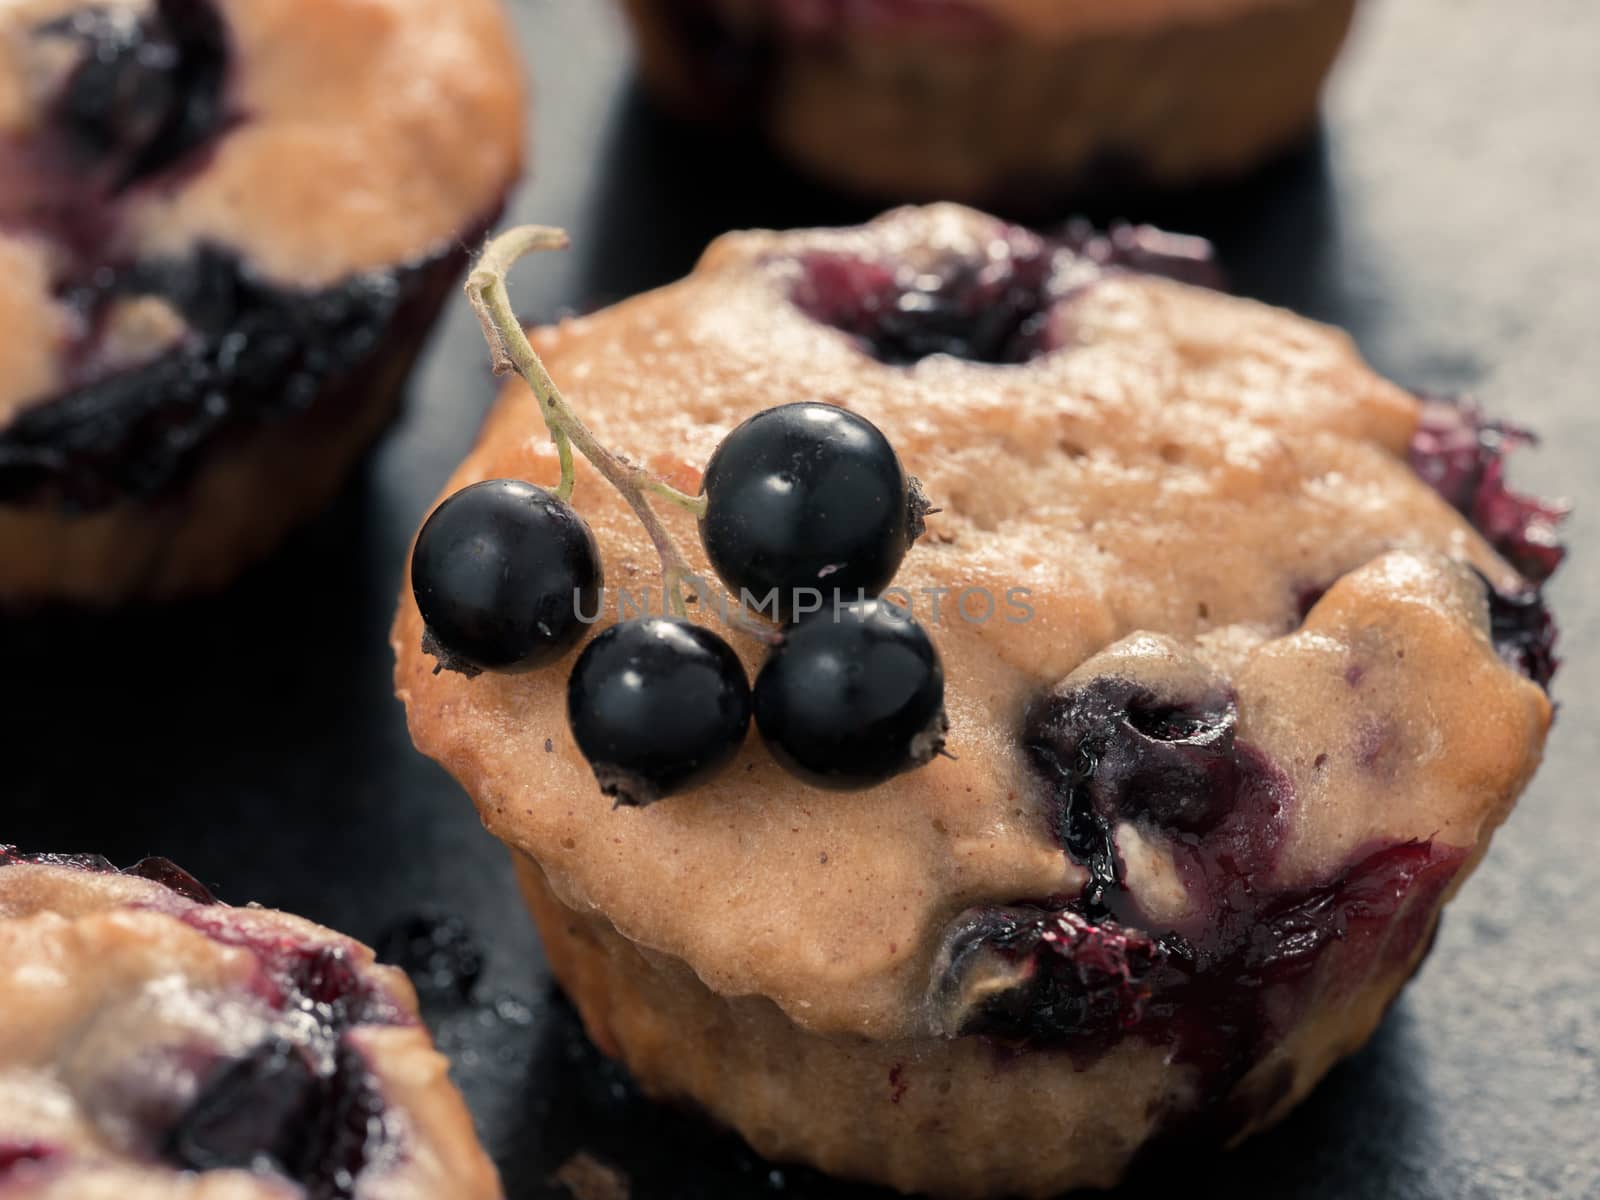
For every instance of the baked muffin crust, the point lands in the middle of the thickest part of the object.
(132, 1002)
(1186, 465)
(1232, 573)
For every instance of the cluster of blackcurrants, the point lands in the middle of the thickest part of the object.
(806, 513)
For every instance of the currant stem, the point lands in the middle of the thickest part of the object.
(510, 351)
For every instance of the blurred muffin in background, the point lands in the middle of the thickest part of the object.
(1008, 102)
(225, 228)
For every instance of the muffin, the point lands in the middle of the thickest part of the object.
(1252, 700)
(225, 229)
(159, 1044)
(1013, 102)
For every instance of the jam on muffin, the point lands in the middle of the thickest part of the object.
(1010, 102)
(225, 228)
(1280, 677)
(159, 1044)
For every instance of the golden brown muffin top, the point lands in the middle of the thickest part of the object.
(1173, 474)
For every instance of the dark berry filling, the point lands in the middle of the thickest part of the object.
(1113, 751)
(276, 1110)
(145, 99)
(1220, 996)
(320, 978)
(148, 90)
(988, 312)
(254, 352)
(304, 1102)
(14, 1155)
(1461, 454)
(1145, 250)
(993, 309)
(1224, 983)
(1077, 978)
(254, 1108)
(159, 870)
(1524, 632)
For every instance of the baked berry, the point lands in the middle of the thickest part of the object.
(1462, 455)
(258, 353)
(657, 705)
(993, 306)
(18, 1154)
(987, 310)
(1522, 630)
(808, 497)
(504, 575)
(148, 89)
(253, 1112)
(1112, 751)
(853, 696)
(1078, 981)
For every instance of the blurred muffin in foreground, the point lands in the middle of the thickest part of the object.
(157, 1044)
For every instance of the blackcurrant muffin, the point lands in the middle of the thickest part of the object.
(157, 1043)
(1244, 659)
(1013, 102)
(226, 226)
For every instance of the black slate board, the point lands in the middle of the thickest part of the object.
(1447, 217)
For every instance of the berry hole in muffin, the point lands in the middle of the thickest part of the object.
(275, 1110)
(252, 1110)
(1110, 751)
(993, 309)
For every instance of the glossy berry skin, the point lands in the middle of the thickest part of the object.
(853, 696)
(808, 496)
(501, 572)
(657, 705)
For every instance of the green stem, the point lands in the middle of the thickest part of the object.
(510, 351)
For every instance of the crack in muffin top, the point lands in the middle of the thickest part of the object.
(1202, 496)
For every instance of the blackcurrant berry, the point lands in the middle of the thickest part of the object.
(808, 496)
(504, 573)
(657, 705)
(853, 696)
